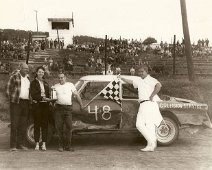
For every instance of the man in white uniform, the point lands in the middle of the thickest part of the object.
(149, 114)
(63, 114)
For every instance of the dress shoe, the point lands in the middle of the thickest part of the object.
(69, 149)
(13, 149)
(60, 149)
(24, 148)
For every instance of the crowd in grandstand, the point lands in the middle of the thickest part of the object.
(135, 47)
(17, 49)
(117, 52)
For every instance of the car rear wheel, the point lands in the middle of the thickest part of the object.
(167, 132)
(30, 135)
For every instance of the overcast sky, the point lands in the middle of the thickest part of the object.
(136, 19)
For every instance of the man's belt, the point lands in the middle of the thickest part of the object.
(24, 99)
(61, 105)
(144, 101)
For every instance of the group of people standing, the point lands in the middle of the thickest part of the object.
(22, 93)
(56, 44)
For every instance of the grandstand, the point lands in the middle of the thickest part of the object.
(158, 65)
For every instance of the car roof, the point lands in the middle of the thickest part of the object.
(105, 78)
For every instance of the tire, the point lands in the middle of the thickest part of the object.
(30, 135)
(167, 133)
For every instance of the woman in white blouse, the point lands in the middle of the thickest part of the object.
(40, 93)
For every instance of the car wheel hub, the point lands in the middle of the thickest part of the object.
(163, 130)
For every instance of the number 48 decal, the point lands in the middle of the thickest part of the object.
(103, 111)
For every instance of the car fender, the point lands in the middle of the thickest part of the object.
(167, 113)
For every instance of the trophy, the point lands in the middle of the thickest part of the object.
(53, 94)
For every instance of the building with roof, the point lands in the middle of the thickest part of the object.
(38, 36)
(62, 29)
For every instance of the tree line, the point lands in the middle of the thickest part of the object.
(17, 35)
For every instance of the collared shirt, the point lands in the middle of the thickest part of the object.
(25, 84)
(42, 89)
(145, 87)
(64, 93)
(14, 86)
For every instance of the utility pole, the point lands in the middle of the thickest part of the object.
(174, 58)
(188, 51)
(36, 19)
(105, 54)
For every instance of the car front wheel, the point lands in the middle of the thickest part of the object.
(167, 132)
(30, 134)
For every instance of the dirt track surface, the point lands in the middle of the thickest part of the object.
(191, 151)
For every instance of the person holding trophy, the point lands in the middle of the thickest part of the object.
(63, 92)
(40, 94)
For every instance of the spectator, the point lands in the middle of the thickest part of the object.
(43, 44)
(51, 61)
(70, 65)
(132, 71)
(51, 44)
(207, 42)
(55, 43)
(99, 61)
(118, 70)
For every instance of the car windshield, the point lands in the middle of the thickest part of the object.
(92, 89)
(78, 84)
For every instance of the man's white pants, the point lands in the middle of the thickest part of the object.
(147, 130)
(148, 118)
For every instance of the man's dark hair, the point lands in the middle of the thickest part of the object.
(62, 72)
(145, 67)
(40, 67)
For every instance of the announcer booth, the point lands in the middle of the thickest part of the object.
(61, 28)
(39, 36)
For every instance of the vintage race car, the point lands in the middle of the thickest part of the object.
(111, 106)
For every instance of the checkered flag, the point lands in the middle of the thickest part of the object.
(111, 91)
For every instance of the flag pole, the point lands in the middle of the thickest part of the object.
(92, 99)
(96, 96)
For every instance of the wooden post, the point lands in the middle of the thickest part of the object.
(105, 54)
(28, 48)
(58, 38)
(174, 45)
(188, 51)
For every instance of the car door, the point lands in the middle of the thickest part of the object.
(98, 110)
(130, 105)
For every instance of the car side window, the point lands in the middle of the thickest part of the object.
(92, 89)
(129, 92)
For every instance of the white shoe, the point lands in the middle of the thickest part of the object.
(43, 148)
(37, 148)
(148, 149)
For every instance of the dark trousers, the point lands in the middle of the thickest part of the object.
(40, 112)
(63, 116)
(18, 116)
